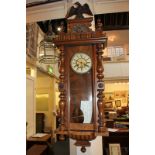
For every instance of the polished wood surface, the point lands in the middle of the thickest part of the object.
(62, 90)
(82, 126)
(122, 130)
(39, 139)
(78, 39)
(100, 89)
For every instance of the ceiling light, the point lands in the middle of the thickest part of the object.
(112, 38)
(59, 29)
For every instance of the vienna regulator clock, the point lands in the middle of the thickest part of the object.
(81, 78)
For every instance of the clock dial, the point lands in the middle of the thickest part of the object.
(81, 63)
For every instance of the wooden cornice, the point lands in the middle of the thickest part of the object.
(80, 38)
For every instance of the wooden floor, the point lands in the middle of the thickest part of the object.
(37, 150)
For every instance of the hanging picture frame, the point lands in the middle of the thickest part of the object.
(108, 96)
(114, 149)
(118, 103)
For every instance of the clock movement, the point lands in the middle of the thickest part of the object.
(81, 82)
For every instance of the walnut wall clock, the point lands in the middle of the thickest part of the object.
(81, 83)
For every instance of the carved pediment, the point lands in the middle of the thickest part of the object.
(79, 25)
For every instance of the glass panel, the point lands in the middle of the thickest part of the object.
(81, 99)
(80, 87)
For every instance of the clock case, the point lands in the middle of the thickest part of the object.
(80, 38)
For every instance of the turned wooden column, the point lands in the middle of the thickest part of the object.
(100, 88)
(62, 96)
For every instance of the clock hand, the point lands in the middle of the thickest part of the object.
(78, 68)
(86, 64)
(78, 61)
(81, 68)
(75, 65)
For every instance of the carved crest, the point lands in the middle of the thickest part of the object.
(78, 10)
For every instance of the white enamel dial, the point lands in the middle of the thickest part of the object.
(81, 63)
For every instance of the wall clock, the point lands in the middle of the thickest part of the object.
(81, 63)
(81, 83)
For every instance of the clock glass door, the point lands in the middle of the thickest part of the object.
(80, 77)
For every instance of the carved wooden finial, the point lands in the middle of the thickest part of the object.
(83, 149)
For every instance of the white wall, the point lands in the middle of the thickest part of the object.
(30, 106)
(116, 70)
(31, 1)
(117, 86)
(47, 11)
(109, 6)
